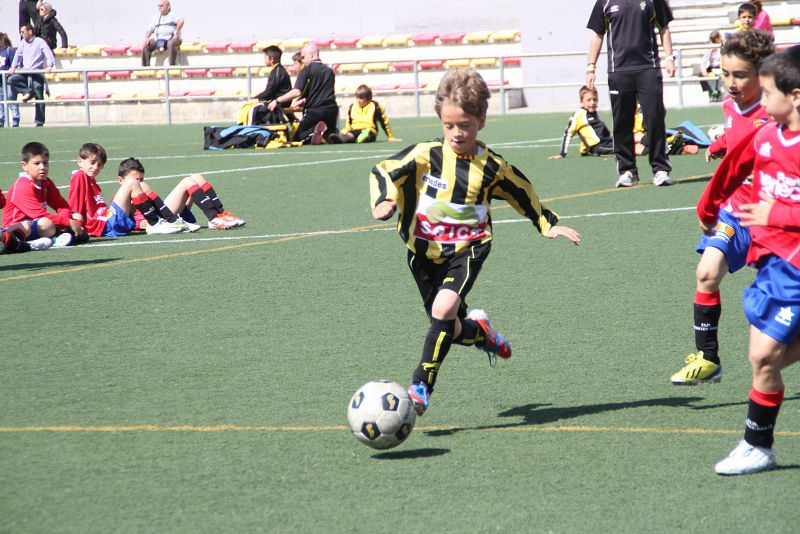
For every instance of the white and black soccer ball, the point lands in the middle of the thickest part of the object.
(381, 414)
(716, 131)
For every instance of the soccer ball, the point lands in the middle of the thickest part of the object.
(715, 132)
(381, 415)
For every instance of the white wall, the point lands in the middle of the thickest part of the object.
(124, 21)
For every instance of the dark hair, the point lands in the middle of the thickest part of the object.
(752, 46)
(274, 53)
(363, 91)
(583, 90)
(297, 57)
(29, 26)
(465, 88)
(714, 35)
(784, 67)
(93, 149)
(4, 40)
(747, 8)
(129, 164)
(33, 149)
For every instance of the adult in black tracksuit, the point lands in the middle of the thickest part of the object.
(28, 13)
(315, 85)
(634, 72)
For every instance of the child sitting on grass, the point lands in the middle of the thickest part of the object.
(442, 190)
(363, 118)
(27, 200)
(136, 205)
(586, 123)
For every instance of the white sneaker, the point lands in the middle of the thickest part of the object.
(662, 178)
(43, 243)
(746, 459)
(627, 179)
(162, 227)
(62, 240)
(188, 227)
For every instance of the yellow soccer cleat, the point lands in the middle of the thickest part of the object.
(696, 371)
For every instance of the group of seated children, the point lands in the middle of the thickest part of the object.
(28, 225)
(363, 116)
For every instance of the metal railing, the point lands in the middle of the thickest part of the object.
(167, 99)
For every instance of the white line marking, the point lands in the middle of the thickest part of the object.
(344, 232)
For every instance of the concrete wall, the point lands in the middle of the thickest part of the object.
(124, 21)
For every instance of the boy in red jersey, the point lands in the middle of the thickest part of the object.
(443, 190)
(772, 304)
(13, 238)
(135, 205)
(725, 250)
(28, 198)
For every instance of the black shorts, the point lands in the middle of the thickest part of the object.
(457, 273)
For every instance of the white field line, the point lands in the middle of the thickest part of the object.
(321, 233)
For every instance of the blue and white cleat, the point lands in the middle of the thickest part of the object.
(418, 393)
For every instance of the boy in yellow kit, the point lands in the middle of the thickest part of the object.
(363, 118)
(442, 190)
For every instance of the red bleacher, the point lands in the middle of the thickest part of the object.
(425, 38)
(242, 46)
(349, 41)
(452, 37)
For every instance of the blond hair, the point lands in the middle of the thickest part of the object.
(464, 88)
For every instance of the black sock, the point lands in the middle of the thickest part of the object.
(14, 241)
(203, 201)
(162, 208)
(215, 201)
(437, 344)
(147, 209)
(706, 322)
(471, 333)
(759, 428)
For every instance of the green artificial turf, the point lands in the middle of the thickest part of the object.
(199, 383)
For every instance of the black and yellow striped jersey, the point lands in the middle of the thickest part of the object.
(443, 199)
(589, 127)
(368, 118)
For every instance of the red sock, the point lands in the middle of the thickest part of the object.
(707, 299)
(771, 399)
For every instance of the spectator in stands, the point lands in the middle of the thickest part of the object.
(49, 26)
(278, 84)
(315, 84)
(6, 57)
(709, 68)
(762, 21)
(32, 54)
(363, 118)
(747, 16)
(28, 13)
(164, 33)
(634, 72)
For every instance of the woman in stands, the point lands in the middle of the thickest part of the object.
(49, 26)
(762, 21)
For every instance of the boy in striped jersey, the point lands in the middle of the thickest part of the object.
(363, 118)
(586, 123)
(442, 190)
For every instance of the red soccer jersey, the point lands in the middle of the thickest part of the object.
(738, 124)
(772, 155)
(86, 198)
(28, 200)
(2, 199)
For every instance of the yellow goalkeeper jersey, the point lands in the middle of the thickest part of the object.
(368, 118)
(443, 199)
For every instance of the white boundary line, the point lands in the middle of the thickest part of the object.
(320, 233)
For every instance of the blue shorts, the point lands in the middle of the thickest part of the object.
(34, 230)
(118, 223)
(730, 238)
(772, 303)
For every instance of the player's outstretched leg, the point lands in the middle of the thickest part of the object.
(491, 341)
(436, 346)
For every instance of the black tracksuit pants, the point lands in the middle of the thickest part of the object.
(625, 87)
